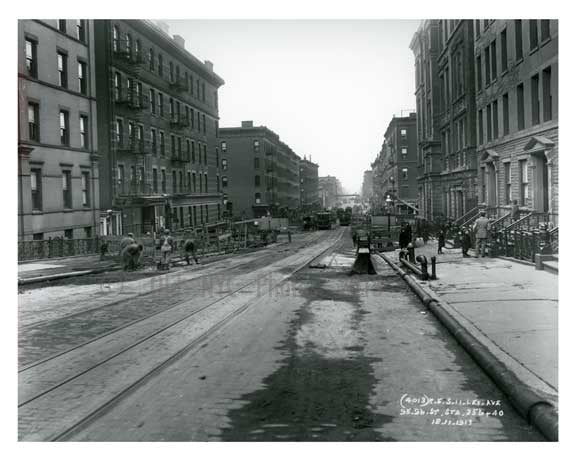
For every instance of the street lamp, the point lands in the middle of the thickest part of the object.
(388, 207)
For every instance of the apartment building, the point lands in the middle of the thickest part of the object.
(158, 119)
(58, 158)
(516, 67)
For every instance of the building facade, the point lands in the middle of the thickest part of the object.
(158, 128)
(516, 67)
(260, 173)
(58, 162)
(426, 48)
(309, 199)
(329, 188)
(457, 118)
(367, 186)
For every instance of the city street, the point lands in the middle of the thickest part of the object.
(280, 344)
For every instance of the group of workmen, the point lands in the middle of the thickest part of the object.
(131, 251)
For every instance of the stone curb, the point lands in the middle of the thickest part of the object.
(537, 406)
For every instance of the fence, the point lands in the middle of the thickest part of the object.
(224, 237)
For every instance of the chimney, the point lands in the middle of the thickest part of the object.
(179, 40)
(209, 65)
(247, 124)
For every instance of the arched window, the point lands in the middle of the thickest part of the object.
(129, 44)
(115, 38)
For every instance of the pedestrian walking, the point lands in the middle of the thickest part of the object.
(403, 237)
(128, 240)
(190, 250)
(441, 240)
(465, 241)
(481, 232)
(408, 230)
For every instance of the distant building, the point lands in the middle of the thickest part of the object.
(367, 186)
(158, 120)
(309, 199)
(395, 169)
(517, 101)
(260, 172)
(58, 161)
(328, 189)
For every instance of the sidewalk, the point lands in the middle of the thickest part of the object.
(514, 305)
(506, 315)
(58, 266)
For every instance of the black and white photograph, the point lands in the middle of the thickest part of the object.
(288, 229)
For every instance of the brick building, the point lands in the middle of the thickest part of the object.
(57, 147)
(309, 200)
(260, 173)
(400, 157)
(457, 117)
(158, 124)
(517, 100)
(426, 48)
(329, 188)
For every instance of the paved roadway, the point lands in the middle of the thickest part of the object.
(267, 353)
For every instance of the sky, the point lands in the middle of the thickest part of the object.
(328, 88)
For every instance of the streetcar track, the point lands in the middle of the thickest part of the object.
(106, 406)
(168, 307)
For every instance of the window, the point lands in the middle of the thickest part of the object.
(152, 97)
(203, 123)
(194, 182)
(129, 45)
(67, 189)
(535, 83)
(520, 106)
(495, 118)
(82, 77)
(403, 133)
(62, 25)
(487, 65)
(488, 123)
(174, 188)
(189, 181)
(162, 144)
(257, 197)
(224, 164)
(504, 50)
(224, 181)
(137, 49)
(69, 234)
(36, 187)
(161, 104)
(62, 69)
(160, 65)
(81, 29)
(257, 181)
(223, 146)
(544, 29)
(84, 131)
(64, 128)
(478, 72)
(172, 145)
(519, 44)
(33, 121)
(88, 232)
(164, 181)
(85, 189)
(505, 114)
(32, 58)
(404, 151)
(155, 180)
(198, 120)
(547, 93)
(533, 23)
(115, 39)
(524, 186)
(151, 59)
(405, 173)
(171, 71)
(171, 105)
(121, 178)
(181, 181)
(117, 86)
(197, 88)
(205, 155)
(203, 92)
(153, 141)
(256, 145)
(206, 188)
(508, 183)
(493, 52)
(256, 163)
(192, 118)
(480, 128)
(193, 150)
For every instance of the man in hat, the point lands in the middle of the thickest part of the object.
(166, 247)
(481, 229)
